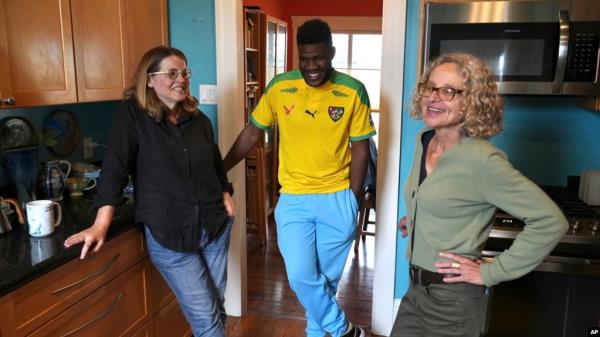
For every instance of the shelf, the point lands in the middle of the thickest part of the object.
(254, 50)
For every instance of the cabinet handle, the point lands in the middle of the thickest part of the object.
(8, 101)
(100, 271)
(102, 314)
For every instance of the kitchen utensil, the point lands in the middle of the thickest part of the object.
(22, 165)
(85, 170)
(76, 185)
(6, 214)
(61, 132)
(53, 179)
(43, 216)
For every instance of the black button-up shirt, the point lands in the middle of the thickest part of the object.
(177, 172)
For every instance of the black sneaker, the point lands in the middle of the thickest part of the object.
(355, 332)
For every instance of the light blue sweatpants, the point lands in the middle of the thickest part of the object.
(315, 233)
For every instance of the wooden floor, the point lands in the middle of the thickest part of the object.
(274, 311)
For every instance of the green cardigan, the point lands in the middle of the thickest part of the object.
(454, 207)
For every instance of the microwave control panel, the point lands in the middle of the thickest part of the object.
(583, 53)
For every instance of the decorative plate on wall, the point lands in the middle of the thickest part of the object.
(61, 132)
(17, 132)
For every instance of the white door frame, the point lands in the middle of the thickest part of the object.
(388, 165)
(230, 69)
(230, 107)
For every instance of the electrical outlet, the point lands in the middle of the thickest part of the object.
(88, 148)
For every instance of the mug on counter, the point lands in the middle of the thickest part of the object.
(43, 216)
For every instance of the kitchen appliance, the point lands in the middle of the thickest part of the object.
(548, 47)
(6, 214)
(561, 297)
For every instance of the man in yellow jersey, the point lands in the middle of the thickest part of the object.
(324, 122)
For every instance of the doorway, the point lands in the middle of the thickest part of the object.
(228, 14)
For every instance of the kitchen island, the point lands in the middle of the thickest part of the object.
(46, 290)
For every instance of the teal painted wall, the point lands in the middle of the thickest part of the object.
(547, 138)
(192, 29)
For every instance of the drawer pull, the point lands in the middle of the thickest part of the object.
(86, 278)
(102, 314)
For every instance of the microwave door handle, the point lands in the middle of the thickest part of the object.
(563, 50)
(597, 66)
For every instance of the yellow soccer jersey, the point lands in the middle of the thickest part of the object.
(315, 127)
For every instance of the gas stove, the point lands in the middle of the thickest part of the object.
(584, 220)
(578, 251)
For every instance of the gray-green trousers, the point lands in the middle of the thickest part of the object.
(458, 309)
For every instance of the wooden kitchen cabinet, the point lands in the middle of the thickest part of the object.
(37, 63)
(169, 321)
(61, 51)
(47, 296)
(117, 309)
(116, 292)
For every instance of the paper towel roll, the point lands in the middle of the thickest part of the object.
(592, 194)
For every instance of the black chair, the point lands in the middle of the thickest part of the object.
(367, 202)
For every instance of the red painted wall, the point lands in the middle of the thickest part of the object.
(285, 9)
(273, 8)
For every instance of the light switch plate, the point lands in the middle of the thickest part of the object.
(208, 94)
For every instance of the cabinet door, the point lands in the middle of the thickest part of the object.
(110, 38)
(36, 52)
(45, 297)
(170, 322)
(145, 28)
(100, 53)
(117, 309)
(146, 331)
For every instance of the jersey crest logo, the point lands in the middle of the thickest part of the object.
(335, 112)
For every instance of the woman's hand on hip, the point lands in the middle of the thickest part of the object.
(229, 206)
(465, 269)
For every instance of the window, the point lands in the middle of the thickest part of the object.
(359, 55)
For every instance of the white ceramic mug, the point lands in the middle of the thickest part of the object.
(43, 216)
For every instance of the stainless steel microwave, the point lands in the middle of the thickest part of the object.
(534, 47)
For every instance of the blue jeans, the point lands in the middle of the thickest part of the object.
(198, 280)
(315, 233)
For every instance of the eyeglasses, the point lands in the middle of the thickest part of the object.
(444, 93)
(174, 73)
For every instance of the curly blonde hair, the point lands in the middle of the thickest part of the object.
(481, 105)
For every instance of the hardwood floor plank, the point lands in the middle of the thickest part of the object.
(273, 309)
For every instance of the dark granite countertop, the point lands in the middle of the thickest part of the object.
(24, 258)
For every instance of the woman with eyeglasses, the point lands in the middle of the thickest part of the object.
(182, 194)
(458, 179)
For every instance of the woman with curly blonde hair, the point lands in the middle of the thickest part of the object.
(457, 181)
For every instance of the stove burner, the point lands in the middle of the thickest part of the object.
(584, 221)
